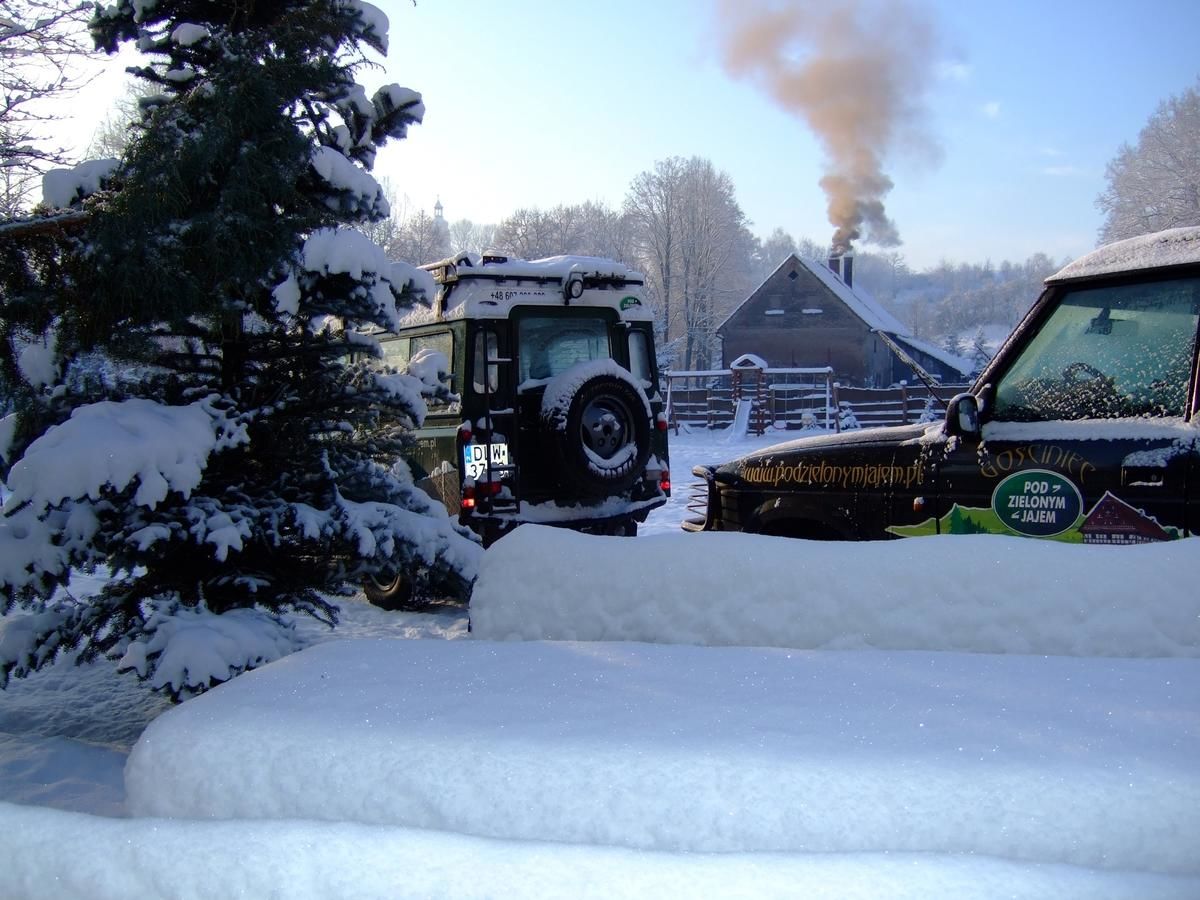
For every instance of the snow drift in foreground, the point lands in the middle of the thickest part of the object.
(974, 593)
(105, 859)
(701, 749)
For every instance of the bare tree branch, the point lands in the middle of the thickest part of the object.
(40, 41)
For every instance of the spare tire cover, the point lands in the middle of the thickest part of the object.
(598, 419)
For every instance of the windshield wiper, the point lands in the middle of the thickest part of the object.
(918, 370)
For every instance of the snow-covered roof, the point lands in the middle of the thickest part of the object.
(858, 302)
(489, 287)
(953, 360)
(1175, 247)
(747, 361)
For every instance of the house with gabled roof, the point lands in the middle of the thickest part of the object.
(807, 313)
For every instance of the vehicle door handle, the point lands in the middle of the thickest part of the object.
(1142, 476)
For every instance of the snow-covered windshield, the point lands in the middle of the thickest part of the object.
(549, 345)
(1107, 352)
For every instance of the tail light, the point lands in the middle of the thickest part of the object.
(472, 493)
(664, 481)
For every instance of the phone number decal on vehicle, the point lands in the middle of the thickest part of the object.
(1037, 503)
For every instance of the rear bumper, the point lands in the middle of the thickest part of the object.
(604, 518)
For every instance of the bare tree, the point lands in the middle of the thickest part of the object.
(420, 239)
(769, 253)
(117, 131)
(587, 229)
(608, 232)
(468, 237)
(652, 206)
(40, 42)
(712, 241)
(532, 233)
(1156, 184)
(524, 234)
(695, 248)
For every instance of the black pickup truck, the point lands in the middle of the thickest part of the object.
(1083, 428)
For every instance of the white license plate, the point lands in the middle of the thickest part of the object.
(475, 458)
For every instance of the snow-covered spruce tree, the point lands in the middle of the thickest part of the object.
(218, 431)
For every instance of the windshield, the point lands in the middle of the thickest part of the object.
(1108, 352)
(548, 346)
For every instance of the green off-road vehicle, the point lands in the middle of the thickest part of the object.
(557, 416)
(1084, 428)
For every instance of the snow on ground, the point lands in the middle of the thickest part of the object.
(974, 593)
(403, 764)
(700, 749)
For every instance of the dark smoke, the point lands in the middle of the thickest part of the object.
(857, 72)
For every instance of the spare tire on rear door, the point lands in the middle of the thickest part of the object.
(598, 420)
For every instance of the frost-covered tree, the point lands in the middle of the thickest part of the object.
(694, 247)
(1156, 184)
(199, 403)
(471, 237)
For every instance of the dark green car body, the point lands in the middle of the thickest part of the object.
(557, 417)
(1083, 428)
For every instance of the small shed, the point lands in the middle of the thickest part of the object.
(806, 314)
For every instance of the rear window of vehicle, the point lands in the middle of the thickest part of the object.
(548, 346)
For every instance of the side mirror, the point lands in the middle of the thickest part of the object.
(962, 416)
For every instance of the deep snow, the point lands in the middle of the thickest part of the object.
(474, 768)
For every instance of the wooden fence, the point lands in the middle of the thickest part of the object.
(873, 407)
(790, 399)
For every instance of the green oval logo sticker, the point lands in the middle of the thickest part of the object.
(1037, 503)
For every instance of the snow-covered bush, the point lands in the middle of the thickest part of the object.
(931, 412)
(847, 421)
(199, 405)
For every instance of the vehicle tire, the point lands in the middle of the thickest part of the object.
(603, 441)
(390, 590)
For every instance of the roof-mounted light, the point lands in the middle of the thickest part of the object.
(573, 287)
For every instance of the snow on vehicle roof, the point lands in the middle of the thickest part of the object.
(1174, 247)
(559, 267)
(489, 287)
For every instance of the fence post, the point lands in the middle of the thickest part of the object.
(672, 418)
(837, 410)
(904, 403)
(828, 397)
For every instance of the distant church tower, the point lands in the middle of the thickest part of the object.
(437, 210)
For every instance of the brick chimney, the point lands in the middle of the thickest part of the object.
(843, 267)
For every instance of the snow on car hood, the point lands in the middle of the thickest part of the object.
(896, 434)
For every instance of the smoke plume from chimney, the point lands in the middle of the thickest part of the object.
(856, 71)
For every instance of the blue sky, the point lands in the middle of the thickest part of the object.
(535, 103)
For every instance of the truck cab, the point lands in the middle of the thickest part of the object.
(1083, 428)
